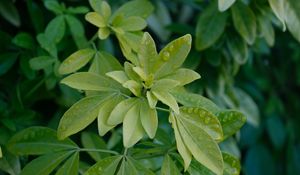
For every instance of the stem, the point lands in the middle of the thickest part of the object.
(93, 38)
(125, 151)
(34, 88)
(99, 150)
(162, 109)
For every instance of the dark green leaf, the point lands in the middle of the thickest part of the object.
(24, 40)
(70, 166)
(9, 163)
(210, 26)
(38, 140)
(244, 21)
(41, 62)
(55, 29)
(54, 6)
(7, 60)
(169, 167)
(10, 12)
(105, 166)
(93, 141)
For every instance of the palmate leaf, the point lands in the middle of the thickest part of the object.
(166, 98)
(197, 142)
(104, 63)
(76, 61)
(38, 140)
(81, 114)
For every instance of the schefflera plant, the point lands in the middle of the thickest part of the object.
(125, 23)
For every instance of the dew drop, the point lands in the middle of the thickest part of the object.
(171, 48)
(207, 120)
(166, 56)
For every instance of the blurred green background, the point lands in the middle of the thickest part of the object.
(260, 79)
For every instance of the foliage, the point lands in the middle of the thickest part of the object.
(129, 100)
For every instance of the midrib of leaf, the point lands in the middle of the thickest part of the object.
(189, 133)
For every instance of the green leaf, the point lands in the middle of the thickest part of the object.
(144, 9)
(45, 164)
(152, 100)
(119, 76)
(203, 148)
(71, 166)
(172, 56)
(231, 164)
(0, 152)
(166, 98)
(132, 23)
(54, 6)
(78, 10)
(96, 5)
(244, 21)
(105, 62)
(105, 166)
(199, 117)
(266, 29)
(278, 7)
(164, 85)
(195, 100)
(9, 163)
(76, 61)
(24, 40)
(80, 115)
(101, 7)
(276, 131)
(225, 4)
(105, 112)
(210, 27)
(10, 12)
(149, 119)
(7, 60)
(46, 44)
(132, 127)
(93, 141)
(238, 48)
(181, 145)
(292, 17)
(184, 76)
(55, 30)
(169, 167)
(77, 31)
(91, 82)
(117, 115)
(95, 19)
(41, 62)
(147, 53)
(38, 140)
(134, 87)
(139, 167)
(231, 122)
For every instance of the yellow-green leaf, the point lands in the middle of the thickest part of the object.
(164, 85)
(80, 115)
(95, 19)
(118, 113)
(105, 62)
(104, 113)
(232, 165)
(203, 148)
(244, 21)
(132, 23)
(119, 76)
(199, 117)
(134, 87)
(181, 146)
(183, 76)
(166, 98)
(70, 166)
(132, 127)
(172, 56)
(148, 119)
(103, 33)
(76, 61)
(152, 100)
(91, 81)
